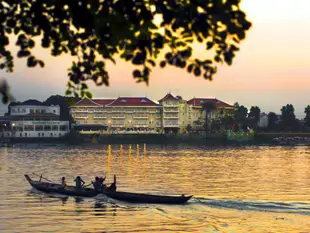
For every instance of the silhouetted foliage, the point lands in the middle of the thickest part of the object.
(254, 116)
(241, 114)
(64, 104)
(96, 31)
(288, 119)
(272, 120)
(207, 107)
(307, 117)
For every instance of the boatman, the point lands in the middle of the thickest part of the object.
(63, 182)
(79, 182)
(98, 186)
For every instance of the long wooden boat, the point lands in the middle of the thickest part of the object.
(121, 196)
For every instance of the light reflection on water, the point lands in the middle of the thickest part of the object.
(241, 189)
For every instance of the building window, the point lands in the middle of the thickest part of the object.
(21, 135)
(54, 111)
(51, 134)
(47, 128)
(43, 111)
(59, 134)
(37, 110)
(28, 128)
(31, 111)
(38, 128)
(54, 127)
(42, 134)
(39, 134)
(63, 128)
(25, 134)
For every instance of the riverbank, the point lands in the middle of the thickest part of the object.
(215, 139)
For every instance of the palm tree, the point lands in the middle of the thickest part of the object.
(207, 107)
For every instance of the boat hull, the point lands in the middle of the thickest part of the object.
(121, 196)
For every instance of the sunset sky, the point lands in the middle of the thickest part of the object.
(271, 70)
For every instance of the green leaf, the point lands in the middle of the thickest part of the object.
(89, 95)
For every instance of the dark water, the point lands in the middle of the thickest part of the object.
(244, 189)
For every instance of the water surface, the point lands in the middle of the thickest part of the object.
(236, 189)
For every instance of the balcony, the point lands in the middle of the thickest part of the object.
(80, 111)
(172, 110)
(81, 117)
(100, 117)
(99, 111)
(152, 111)
(140, 117)
(142, 125)
(171, 106)
(171, 125)
(118, 125)
(117, 111)
(118, 117)
(171, 117)
(158, 117)
(129, 112)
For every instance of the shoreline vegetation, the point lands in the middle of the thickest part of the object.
(261, 138)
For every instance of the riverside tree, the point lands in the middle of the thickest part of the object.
(254, 116)
(97, 31)
(288, 118)
(307, 117)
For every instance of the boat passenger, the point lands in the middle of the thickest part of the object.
(79, 182)
(101, 179)
(63, 182)
(112, 187)
(97, 184)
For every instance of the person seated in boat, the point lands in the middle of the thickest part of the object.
(101, 180)
(98, 186)
(112, 187)
(79, 182)
(63, 182)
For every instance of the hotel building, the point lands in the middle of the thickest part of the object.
(142, 115)
(122, 115)
(33, 119)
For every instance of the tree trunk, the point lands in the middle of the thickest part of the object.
(206, 124)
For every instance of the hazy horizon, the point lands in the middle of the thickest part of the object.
(271, 70)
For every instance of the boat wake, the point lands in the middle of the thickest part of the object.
(281, 207)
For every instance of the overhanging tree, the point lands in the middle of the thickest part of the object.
(94, 31)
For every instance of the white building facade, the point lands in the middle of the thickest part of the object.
(32, 119)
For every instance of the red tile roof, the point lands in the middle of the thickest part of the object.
(168, 96)
(133, 101)
(103, 101)
(86, 102)
(199, 101)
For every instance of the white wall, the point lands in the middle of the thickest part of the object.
(19, 110)
(263, 121)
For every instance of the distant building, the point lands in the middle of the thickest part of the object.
(263, 121)
(121, 115)
(197, 117)
(142, 115)
(33, 119)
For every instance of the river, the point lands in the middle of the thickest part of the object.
(236, 189)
